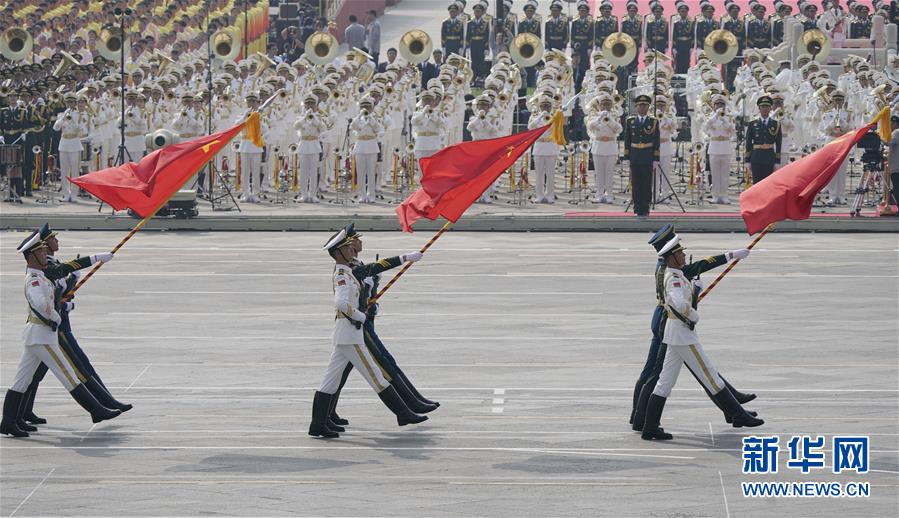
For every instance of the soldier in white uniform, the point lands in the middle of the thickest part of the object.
(135, 128)
(681, 296)
(604, 128)
(546, 153)
(72, 125)
(484, 124)
(367, 130)
(310, 128)
(250, 158)
(428, 125)
(42, 342)
(720, 130)
(349, 341)
(834, 123)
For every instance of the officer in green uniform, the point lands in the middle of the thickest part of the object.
(556, 28)
(641, 152)
(605, 25)
(656, 358)
(477, 39)
(705, 23)
(758, 30)
(682, 38)
(530, 24)
(632, 25)
(860, 26)
(12, 122)
(582, 30)
(763, 141)
(733, 22)
(777, 22)
(656, 29)
(452, 31)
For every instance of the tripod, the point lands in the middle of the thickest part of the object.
(122, 152)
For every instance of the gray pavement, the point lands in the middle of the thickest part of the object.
(532, 343)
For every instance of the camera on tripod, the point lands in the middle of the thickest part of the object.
(872, 155)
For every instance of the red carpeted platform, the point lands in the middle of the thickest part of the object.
(709, 215)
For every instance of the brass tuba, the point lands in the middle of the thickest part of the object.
(111, 43)
(15, 43)
(619, 49)
(264, 63)
(526, 49)
(68, 61)
(224, 44)
(163, 61)
(416, 46)
(321, 48)
(816, 43)
(721, 46)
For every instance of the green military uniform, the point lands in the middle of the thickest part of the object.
(557, 33)
(452, 32)
(582, 30)
(641, 148)
(704, 26)
(763, 141)
(656, 33)
(682, 41)
(603, 27)
(759, 34)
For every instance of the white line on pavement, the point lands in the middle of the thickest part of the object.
(32, 492)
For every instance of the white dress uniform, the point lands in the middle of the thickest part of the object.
(720, 130)
(73, 127)
(40, 339)
(667, 132)
(348, 340)
(427, 129)
(250, 165)
(135, 132)
(367, 130)
(310, 128)
(835, 123)
(683, 342)
(485, 125)
(546, 152)
(604, 129)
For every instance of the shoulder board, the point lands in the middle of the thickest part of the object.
(632, 117)
(539, 18)
(487, 17)
(613, 18)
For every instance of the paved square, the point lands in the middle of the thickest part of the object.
(532, 343)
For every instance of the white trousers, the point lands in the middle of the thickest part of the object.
(837, 185)
(135, 153)
(250, 166)
(54, 358)
(366, 167)
(545, 167)
(424, 153)
(328, 159)
(362, 361)
(308, 175)
(699, 363)
(664, 166)
(69, 166)
(604, 174)
(720, 168)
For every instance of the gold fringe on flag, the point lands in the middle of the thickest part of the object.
(558, 128)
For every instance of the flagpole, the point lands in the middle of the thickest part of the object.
(730, 267)
(373, 300)
(137, 228)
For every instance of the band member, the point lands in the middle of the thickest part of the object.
(367, 129)
(641, 152)
(667, 131)
(834, 123)
(73, 127)
(428, 125)
(682, 38)
(310, 127)
(683, 347)
(349, 341)
(546, 153)
(763, 141)
(452, 32)
(604, 128)
(556, 28)
(720, 130)
(135, 128)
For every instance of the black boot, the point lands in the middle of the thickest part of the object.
(741, 397)
(104, 397)
(319, 425)
(651, 429)
(409, 398)
(393, 401)
(638, 423)
(334, 427)
(11, 406)
(637, 388)
(332, 415)
(28, 406)
(20, 420)
(737, 413)
(414, 390)
(98, 412)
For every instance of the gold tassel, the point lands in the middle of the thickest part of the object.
(558, 128)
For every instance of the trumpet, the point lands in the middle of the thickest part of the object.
(429, 110)
(605, 117)
(364, 113)
(482, 115)
(282, 94)
(293, 149)
(458, 80)
(388, 90)
(309, 116)
(502, 97)
(169, 95)
(335, 95)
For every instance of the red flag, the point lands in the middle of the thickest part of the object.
(144, 186)
(454, 177)
(790, 191)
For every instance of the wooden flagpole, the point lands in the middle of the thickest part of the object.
(730, 267)
(444, 228)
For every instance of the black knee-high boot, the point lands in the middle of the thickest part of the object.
(332, 410)
(414, 390)
(637, 389)
(409, 398)
(104, 397)
(741, 397)
(11, 405)
(651, 429)
(98, 412)
(396, 405)
(738, 414)
(28, 402)
(319, 425)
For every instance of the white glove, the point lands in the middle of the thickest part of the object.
(742, 253)
(694, 316)
(412, 257)
(699, 284)
(68, 306)
(368, 281)
(102, 257)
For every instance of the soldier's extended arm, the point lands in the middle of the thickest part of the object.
(372, 269)
(703, 265)
(61, 269)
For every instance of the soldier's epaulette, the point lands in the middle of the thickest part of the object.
(632, 117)
(539, 18)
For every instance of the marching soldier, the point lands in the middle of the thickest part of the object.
(42, 342)
(310, 127)
(758, 30)
(477, 39)
(683, 347)
(582, 29)
(641, 152)
(606, 24)
(556, 28)
(763, 141)
(349, 340)
(733, 23)
(452, 32)
(656, 29)
(646, 383)
(682, 38)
